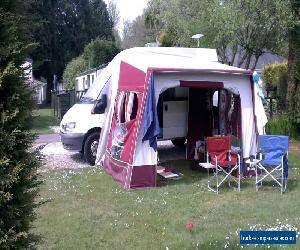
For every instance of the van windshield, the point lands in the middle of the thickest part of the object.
(94, 91)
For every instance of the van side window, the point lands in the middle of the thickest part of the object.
(127, 107)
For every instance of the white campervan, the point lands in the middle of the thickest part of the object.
(80, 128)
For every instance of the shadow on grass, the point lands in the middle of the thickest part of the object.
(292, 184)
(78, 158)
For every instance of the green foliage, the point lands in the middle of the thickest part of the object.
(229, 26)
(166, 39)
(18, 165)
(99, 51)
(282, 125)
(64, 28)
(296, 77)
(294, 66)
(42, 119)
(275, 75)
(136, 33)
(73, 68)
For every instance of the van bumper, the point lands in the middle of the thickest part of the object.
(72, 141)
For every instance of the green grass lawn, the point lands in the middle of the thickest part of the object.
(42, 119)
(86, 209)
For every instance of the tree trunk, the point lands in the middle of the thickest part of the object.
(248, 61)
(293, 89)
(242, 57)
(256, 60)
(234, 52)
(290, 82)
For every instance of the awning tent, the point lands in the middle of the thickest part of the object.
(127, 146)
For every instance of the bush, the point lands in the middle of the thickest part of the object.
(18, 165)
(166, 39)
(282, 125)
(75, 67)
(275, 75)
(95, 53)
(99, 52)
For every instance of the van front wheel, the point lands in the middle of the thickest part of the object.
(90, 147)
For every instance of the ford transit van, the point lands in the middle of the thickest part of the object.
(80, 127)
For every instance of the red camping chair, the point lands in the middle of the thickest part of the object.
(224, 163)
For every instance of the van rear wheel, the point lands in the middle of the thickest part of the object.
(90, 147)
(178, 142)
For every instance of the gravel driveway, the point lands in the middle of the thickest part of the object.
(56, 157)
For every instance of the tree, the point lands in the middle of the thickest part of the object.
(73, 68)
(65, 27)
(293, 97)
(101, 23)
(97, 52)
(275, 75)
(114, 17)
(18, 165)
(233, 27)
(136, 34)
(113, 13)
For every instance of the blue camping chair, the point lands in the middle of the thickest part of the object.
(273, 156)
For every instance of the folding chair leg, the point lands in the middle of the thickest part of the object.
(220, 180)
(217, 180)
(283, 182)
(208, 183)
(239, 178)
(208, 180)
(256, 178)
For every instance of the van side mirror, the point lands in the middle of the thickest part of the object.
(100, 105)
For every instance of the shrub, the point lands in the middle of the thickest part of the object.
(95, 53)
(275, 75)
(166, 39)
(99, 52)
(282, 125)
(75, 67)
(18, 165)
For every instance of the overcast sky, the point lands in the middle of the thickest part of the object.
(129, 9)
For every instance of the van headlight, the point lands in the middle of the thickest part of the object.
(69, 126)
